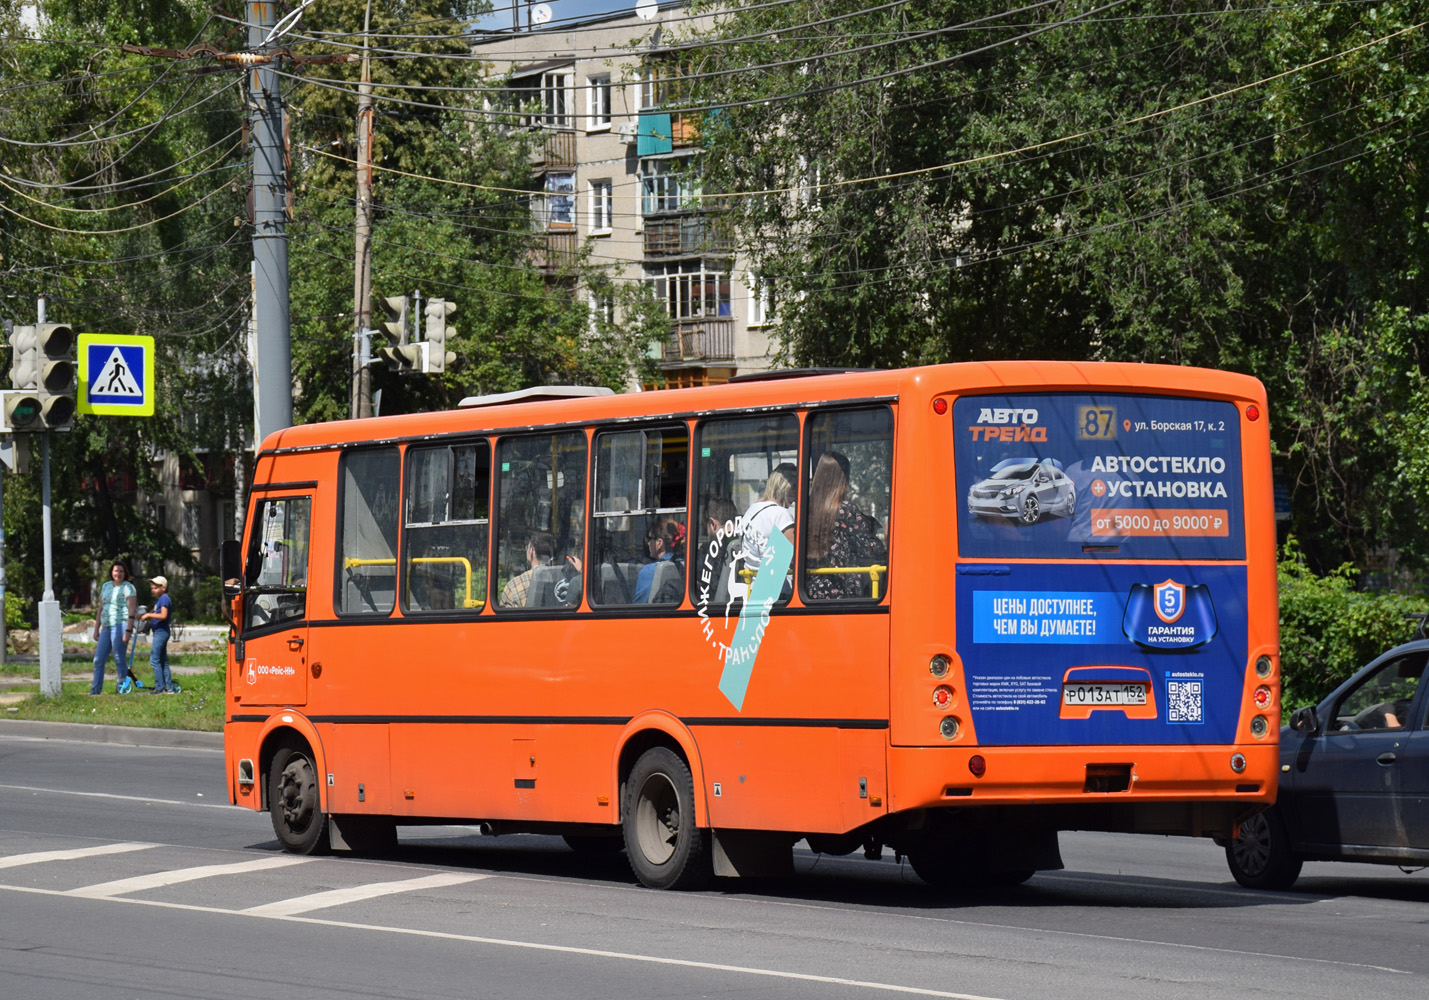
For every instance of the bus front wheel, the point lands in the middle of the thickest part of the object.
(293, 802)
(667, 849)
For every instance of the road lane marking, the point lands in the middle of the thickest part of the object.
(147, 800)
(537, 946)
(337, 897)
(39, 857)
(121, 886)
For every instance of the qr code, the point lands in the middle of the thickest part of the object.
(1183, 701)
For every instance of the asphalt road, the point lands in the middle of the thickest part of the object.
(124, 873)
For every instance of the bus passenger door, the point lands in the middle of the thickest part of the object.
(273, 666)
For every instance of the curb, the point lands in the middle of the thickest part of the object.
(129, 735)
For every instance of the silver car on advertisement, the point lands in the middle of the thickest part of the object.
(1024, 490)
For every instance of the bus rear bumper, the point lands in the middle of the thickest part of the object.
(1143, 789)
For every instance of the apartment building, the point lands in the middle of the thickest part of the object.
(618, 169)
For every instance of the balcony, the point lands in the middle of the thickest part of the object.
(689, 236)
(705, 339)
(556, 250)
(558, 150)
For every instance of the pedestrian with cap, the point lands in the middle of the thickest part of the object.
(162, 619)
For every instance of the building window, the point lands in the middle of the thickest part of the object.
(597, 102)
(554, 99)
(663, 83)
(600, 206)
(691, 288)
(558, 206)
(193, 524)
(602, 310)
(761, 299)
(666, 186)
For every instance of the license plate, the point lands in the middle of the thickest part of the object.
(1104, 694)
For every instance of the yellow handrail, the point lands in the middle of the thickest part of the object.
(874, 572)
(468, 602)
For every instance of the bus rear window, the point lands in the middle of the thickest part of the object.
(1064, 476)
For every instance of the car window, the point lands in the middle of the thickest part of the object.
(1382, 699)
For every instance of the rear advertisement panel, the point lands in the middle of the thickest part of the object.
(1115, 638)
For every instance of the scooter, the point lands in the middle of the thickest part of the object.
(131, 682)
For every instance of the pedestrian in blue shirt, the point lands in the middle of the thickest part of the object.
(162, 617)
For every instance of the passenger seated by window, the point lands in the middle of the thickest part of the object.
(666, 544)
(840, 534)
(717, 566)
(770, 513)
(540, 551)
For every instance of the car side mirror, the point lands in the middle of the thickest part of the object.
(1304, 720)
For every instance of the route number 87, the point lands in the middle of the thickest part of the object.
(1096, 422)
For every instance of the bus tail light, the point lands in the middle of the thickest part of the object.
(950, 727)
(1238, 762)
(1252, 412)
(977, 765)
(938, 665)
(1259, 727)
(1263, 666)
(942, 696)
(1262, 697)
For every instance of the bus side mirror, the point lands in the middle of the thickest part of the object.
(230, 568)
(1304, 720)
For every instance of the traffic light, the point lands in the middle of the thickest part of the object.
(438, 357)
(22, 411)
(406, 357)
(395, 309)
(56, 378)
(24, 358)
(399, 355)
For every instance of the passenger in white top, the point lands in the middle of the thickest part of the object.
(770, 513)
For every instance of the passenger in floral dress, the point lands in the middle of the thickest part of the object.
(840, 535)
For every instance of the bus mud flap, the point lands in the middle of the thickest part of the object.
(753, 854)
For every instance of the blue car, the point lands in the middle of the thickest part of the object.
(1354, 778)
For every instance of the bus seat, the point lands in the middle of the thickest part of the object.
(542, 593)
(613, 586)
(666, 572)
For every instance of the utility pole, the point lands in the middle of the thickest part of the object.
(273, 376)
(362, 264)
(51, 639)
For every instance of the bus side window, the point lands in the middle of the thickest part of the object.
(740, 461)
(638, 517)
(367, 539)
(540, 521)
(850, 477)
(277, 564)
(444, 548)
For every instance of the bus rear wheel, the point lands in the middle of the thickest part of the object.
(293, 802)
(667, 849)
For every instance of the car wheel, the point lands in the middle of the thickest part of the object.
(1031, 510)
(1260, 857)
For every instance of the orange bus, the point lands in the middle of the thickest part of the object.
(949, 611)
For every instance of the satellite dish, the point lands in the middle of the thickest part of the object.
(541, 13)
(647, 9)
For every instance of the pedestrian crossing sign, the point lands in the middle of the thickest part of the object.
(116, 375)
